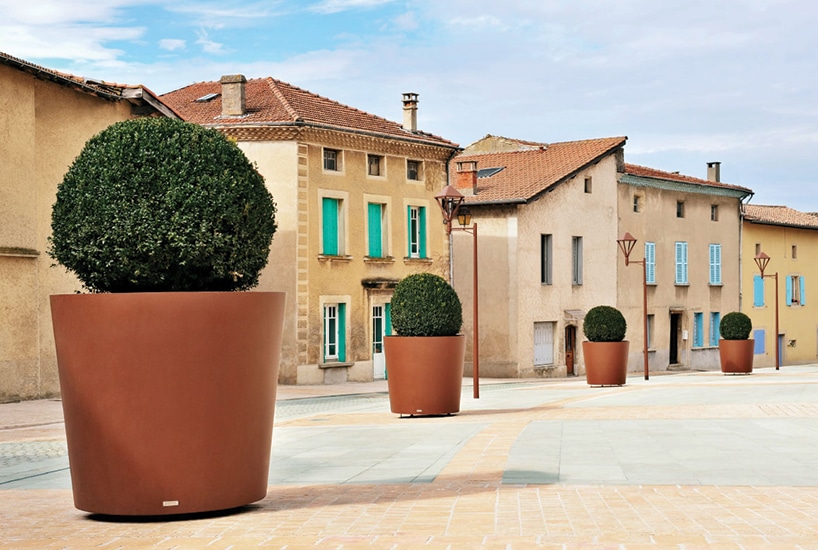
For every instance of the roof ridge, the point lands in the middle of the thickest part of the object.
(274, 87)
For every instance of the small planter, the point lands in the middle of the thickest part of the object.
(736, 356)
(168, 398)
(606, 363)
(425, 374)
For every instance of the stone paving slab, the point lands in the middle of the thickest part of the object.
(692, 460)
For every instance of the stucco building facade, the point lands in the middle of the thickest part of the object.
(356, 213)
(790, 239)
(45, 117)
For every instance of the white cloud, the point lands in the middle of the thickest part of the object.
(335, 6)
(172, 44)
(209, 46)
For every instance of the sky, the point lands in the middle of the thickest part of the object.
(687, 81)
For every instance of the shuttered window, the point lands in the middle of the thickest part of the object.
(698, 330)
(681, 263)
(543, 343)
(650, 263)
(715, 327)
(758, 291)
(416, 228)
(331, 227)
(715, 264)
(376, 222)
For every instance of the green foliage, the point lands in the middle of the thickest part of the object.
(426, 305)
(604, 324)
(735, 326)
(156, 204)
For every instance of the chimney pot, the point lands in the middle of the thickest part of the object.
(467, 176)
(410, 111)
(714, 171)
(233, 86)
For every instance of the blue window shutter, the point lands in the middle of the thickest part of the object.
(679, 271)
(698, 330)
(374, 216)
(650, 260)
(422, 230)
(758, 291)
(342, 334)
(759, 336)
(330, 229)
(789, 291)
(715, 264)
(718, 264)
(684, 262)
(715, 322)
(803, 291)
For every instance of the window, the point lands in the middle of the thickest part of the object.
(680, 209)
(637, 203)
(794, 254)
(715, 327)
(650, 263)
(714, 212)
(715, 264)
(332, 160)
(576, 263)
(588, 184)
(332, 227)
(374, 165)
(759, 335)
(543, 343)
(376, 224)
(758, 249)
(698, 329)
(681, 263)
(795, 290)
(414, 170)
(416, 220)
(545, 259)
(334, 333)
(758, 291)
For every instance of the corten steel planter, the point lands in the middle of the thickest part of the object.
(606, 363)
(168, 398)
(425, 373)
(736, 356)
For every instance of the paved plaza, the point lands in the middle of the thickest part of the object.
(686, 460)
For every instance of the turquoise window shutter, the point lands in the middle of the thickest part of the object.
(375, 220)
(330, 228)
(342, 333)
(422, 230)
(388, 315)
(758, 291)
(698, 330)
(789, 291)
(715, 321)
(803, 291)
(409, 231)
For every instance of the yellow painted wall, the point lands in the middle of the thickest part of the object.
(44, 127)
(798, 323)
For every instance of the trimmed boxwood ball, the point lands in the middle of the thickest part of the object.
(157, 204)
(604, 324)
(425, 304)
(735, 326)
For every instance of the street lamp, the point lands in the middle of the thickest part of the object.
(450, 201)
(626, 244)
(762, 260)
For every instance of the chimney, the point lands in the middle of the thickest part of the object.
(714, 171)
(410, 111)
(233, 95)
(466, 181)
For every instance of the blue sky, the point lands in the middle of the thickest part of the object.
(688, 81)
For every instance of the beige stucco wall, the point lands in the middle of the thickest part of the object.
(798, 323)
(44, 127)
(657, 222)
(511, 296)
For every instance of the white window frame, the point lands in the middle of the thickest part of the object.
(576, 261)
(338, 160)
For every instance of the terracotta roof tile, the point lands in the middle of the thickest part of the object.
(531, 170)
(780, 215)
(636, 170)
(270, 101)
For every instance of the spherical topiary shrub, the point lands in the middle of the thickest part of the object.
(735, 326)
(604, 324)
(156, 204)
(426, 305)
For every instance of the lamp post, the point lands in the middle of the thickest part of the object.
(626, 244)
(762, 260)
(450, 201)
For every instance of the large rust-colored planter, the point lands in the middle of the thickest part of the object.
(425, 373)
(168, 398)
(606, 363)
(736, 356)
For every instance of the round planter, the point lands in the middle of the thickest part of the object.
(425, 373)
(606, 363)
(736, 356)
(168, 398)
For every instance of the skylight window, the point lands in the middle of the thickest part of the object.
(488, 172)
(206, 98)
